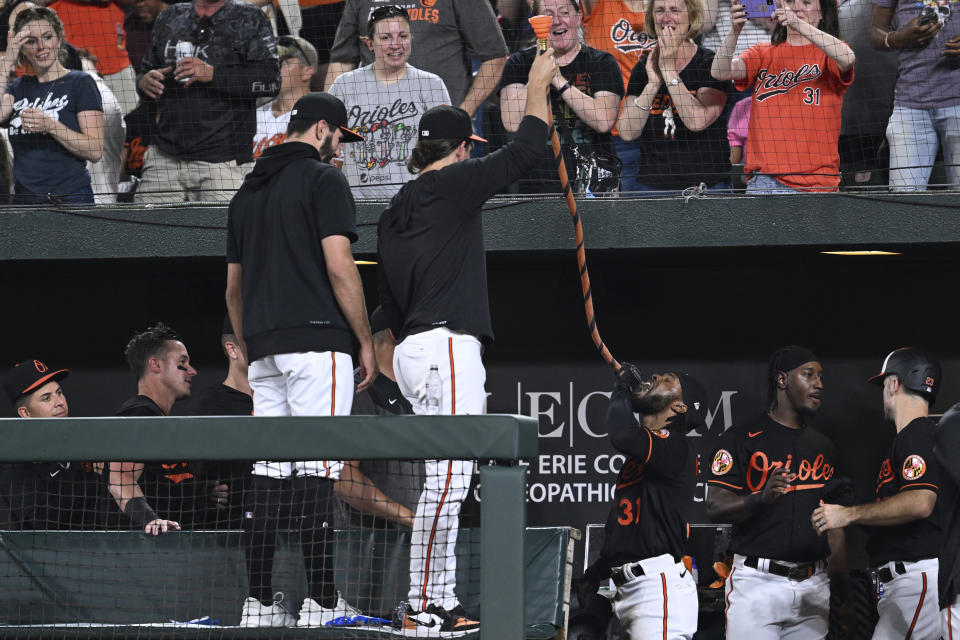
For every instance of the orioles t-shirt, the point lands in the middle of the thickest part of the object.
(41, 164)
(795, 116)
(613, 28)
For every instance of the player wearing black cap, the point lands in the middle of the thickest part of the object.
(646, 530)
(48, 495)
(433, 286)
(767, 477)
(905, 535)
(947, 450)
(295, 300)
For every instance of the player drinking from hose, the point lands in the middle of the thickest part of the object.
(433, 286)
(646, 530)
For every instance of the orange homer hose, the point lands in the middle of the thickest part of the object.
(541, 26)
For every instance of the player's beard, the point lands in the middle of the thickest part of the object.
(651, 404)
(326, 149)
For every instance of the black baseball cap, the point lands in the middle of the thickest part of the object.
(447, 123)
(917, 370)
(26, 377)
(319, 105)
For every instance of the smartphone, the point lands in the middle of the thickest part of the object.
(759, 9)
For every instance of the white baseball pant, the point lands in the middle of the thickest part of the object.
(433, 559)
(661, 603)
(765, 606)
(908, 608)
(950, 620)
(302, 384)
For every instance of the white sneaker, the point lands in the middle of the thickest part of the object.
(256, 614)
(343, 615)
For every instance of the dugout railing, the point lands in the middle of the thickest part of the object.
(498, 442)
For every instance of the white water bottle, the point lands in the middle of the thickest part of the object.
(434, 392)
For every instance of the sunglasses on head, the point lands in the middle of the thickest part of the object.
(388, 11)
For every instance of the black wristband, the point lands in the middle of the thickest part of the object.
(139, 512)
(753, 503)
(564, 87)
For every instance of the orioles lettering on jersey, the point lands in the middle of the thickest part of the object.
(630, 474)
(628, 40)
(177, 478)
(769, 85)
(886, 474)
(761, 467)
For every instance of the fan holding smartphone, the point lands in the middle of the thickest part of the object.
(798, 81)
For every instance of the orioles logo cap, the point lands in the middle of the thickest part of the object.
(447, 123)
(26, 377)
(319, 105)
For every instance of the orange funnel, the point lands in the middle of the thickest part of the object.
(541, 26)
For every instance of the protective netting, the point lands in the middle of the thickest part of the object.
(161, 103)
(208, 544)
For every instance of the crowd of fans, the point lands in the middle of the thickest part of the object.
(145, 101)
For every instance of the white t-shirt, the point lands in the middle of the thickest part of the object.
(387, 115)
(271, 130)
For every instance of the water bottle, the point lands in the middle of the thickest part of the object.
(433, 391)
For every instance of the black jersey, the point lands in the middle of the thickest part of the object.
(222, 400)
(654, 488)
(947, 450)
(910, 465)
(172, 489)
(746, 457)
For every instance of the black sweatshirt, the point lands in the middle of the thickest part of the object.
(433, 269)
(287, 205)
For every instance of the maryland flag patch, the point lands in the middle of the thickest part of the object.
(913, 468)
(722, 461)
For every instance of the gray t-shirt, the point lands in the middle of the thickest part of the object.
(387, 115)
(447, 35)
(928, 79)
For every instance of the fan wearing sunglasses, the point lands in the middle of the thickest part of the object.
(385, 101)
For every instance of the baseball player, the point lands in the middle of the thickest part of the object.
(47, 495)
(905, 531)
(295, 301)
(161, 364)
(646, 530)
(947, 450)
(767, 477)
(433, 287)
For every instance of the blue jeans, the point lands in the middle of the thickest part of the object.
(762, 184)
(914, 136)
(630, 155)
